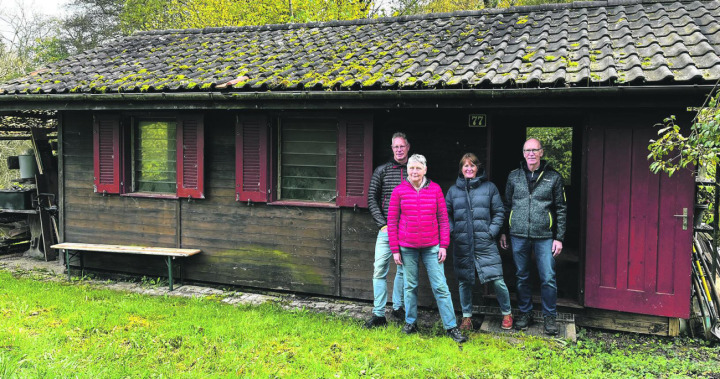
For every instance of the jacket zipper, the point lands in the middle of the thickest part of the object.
(531, 190)
(469, 218)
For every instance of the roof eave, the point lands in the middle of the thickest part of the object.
(425, 98)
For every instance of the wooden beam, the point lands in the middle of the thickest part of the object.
(625, 322)
(41, 116)
(18, 138)
(21, 129)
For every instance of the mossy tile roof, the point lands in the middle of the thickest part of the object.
(601, 43)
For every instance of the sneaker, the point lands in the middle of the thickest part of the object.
(409, 328)
(550, 325)
(455, 334)
(523, 321)
(375, 321)
(507, 322)
(466, 324)
(398, 313)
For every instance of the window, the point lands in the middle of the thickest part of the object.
(318, 161)
(308, 160)
(154, 156)
(149, 156)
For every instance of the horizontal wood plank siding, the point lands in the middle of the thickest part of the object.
(92, 218)
(260, 245)
(275, 247)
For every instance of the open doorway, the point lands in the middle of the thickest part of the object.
(558, 145)
(562, 144)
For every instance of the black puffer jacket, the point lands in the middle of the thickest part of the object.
(476, 216)
(384, 180)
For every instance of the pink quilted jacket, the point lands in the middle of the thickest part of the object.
(417, 218)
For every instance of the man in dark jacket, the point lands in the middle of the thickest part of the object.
(384, 180)
(535, 202)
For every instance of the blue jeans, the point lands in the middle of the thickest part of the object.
(436, 274)
(501, 291)
(522, 252)
(383, 256)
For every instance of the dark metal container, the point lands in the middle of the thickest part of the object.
(16, 199)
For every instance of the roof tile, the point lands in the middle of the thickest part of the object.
(616, 42)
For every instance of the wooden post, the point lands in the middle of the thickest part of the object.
(338, 252)
(716, 228)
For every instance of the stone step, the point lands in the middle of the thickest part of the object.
(493, 318)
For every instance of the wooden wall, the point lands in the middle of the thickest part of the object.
(303, 249)
(93, 218)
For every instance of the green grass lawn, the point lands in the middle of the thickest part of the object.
(54, 329)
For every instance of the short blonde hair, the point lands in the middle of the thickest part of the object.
(418, 158)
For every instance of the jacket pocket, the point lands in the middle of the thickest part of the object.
(550, 216)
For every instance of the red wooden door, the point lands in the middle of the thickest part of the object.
(637, 253)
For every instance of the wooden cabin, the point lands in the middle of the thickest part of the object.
(256, 144)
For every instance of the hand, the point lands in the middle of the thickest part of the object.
(398, 258)
(556, 248)
(442, 254)
(503, 241)
(384, 228)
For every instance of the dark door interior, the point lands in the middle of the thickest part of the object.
(508, 134)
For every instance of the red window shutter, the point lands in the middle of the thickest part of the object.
(354, 161)
(251, 156)
(190, 157)
(107, 157)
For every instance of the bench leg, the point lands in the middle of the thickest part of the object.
(67, 262)
(69, 255)
(170, 272)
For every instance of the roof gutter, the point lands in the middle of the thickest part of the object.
(434, 98)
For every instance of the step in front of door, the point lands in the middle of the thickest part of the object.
(493, 318)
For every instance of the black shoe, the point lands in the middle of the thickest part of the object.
(398, 313)
(455, 334)
(550, 325)
(523, 320)
(375, 321)
(409, 328)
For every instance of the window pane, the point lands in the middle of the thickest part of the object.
(308, 160)
(155, 154)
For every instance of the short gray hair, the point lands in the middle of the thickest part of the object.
(399, 135)
(418, 158)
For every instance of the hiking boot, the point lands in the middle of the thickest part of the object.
(409, 328)
(398, 313)
(523, 321)
(507, 322)
(466, 324)
(550, 325)
(455, 334)
(375, 321)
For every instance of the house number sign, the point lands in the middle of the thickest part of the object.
(477, 121)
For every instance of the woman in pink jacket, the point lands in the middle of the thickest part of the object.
(418, 228)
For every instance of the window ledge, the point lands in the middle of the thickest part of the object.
(299, 203)
(151, 195)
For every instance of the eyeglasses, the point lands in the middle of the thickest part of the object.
(399, 147)
(534, 151)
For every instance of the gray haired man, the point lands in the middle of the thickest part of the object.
(384, 180)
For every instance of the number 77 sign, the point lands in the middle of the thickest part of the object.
(477, 121)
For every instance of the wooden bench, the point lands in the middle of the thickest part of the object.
(168, 252)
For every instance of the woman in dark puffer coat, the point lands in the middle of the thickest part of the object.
(476, 213)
